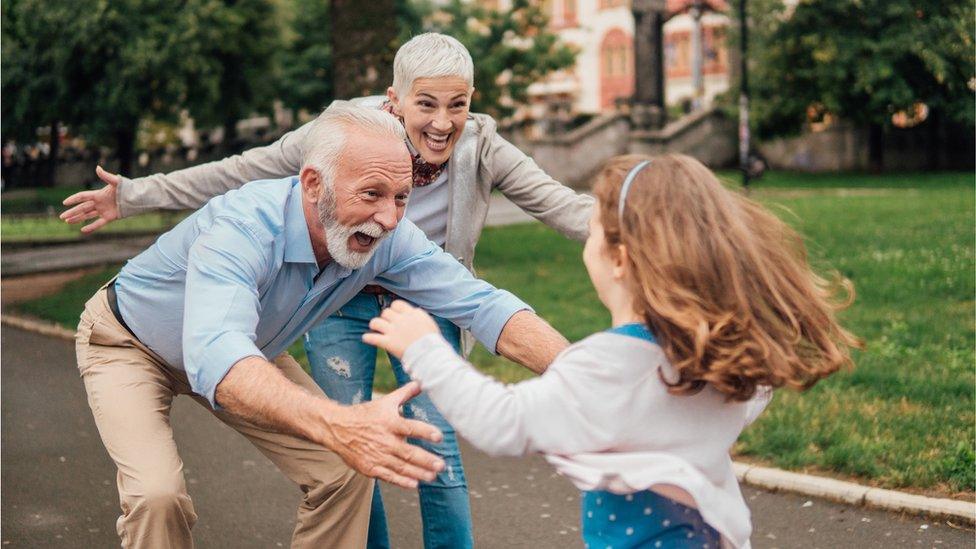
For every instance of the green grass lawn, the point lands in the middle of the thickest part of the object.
(33, 228)
(36, 200)
(903, 417)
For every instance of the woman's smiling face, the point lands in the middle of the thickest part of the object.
(434, 113)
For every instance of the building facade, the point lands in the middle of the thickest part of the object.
(603, 33)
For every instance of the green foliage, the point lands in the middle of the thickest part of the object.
(36, 46)
(103, 67)
(49, 229)
(141, 58)
(241, 51)
(511, 49)
(860, 60)
(306, 62)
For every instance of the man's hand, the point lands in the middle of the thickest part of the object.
(400, 325)
(369, 437)
(99, 205)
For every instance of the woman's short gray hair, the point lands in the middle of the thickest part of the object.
(325, 139)
(430, 55)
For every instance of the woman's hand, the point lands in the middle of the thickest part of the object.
(99, 205)
(400, 325)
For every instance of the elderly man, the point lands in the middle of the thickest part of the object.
(204, 310)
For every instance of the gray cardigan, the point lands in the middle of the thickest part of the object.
(482, 160)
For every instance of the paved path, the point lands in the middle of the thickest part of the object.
(58, 485)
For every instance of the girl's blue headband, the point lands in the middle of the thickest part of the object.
(626, 187)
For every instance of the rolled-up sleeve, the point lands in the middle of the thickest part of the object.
(225, 268)
(435, 281)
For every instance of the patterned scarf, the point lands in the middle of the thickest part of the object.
(424, 173)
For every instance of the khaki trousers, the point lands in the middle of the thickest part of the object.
(130, 392)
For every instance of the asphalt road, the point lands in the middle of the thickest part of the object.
(58, 484)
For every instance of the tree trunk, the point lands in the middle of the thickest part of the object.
(55, 151)
(229, 144)
(936, 141)
(125, 143)
(876, 147)
(364, 36)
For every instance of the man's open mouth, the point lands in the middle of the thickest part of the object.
(437, 143)
(364, 239)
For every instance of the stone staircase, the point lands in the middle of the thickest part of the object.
(574, 157)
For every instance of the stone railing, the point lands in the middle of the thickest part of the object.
(574, 157)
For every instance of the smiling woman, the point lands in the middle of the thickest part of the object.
(458, 160)
(434, 113)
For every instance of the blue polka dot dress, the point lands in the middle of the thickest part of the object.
(643, 520)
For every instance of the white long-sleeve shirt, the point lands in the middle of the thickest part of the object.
(603, 417)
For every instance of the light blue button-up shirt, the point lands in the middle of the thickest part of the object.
(238, 279)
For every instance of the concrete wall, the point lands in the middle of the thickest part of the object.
(573, 158)
(706, 135)
(838, 148)
(844, 147)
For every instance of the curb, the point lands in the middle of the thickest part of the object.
(854, 494)
(38, 326)
(766, 478)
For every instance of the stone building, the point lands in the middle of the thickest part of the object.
(603, 31)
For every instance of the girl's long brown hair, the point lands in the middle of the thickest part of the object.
(723, 284)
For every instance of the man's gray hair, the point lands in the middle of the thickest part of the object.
(430, 55)
(327, 136)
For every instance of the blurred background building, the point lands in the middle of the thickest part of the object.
(696, 55)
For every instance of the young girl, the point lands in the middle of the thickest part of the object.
(712, 303)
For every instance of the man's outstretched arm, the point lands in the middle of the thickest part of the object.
(369, 437)
(530, 341)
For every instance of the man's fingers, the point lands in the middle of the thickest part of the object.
(418, 458)
(413, 428)
(94, 226)
(387, 475)
(109, 178)
(417, 467)
(404, 393)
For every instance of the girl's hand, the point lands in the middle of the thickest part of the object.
(400, 325)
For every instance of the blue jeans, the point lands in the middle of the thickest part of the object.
(344, 366)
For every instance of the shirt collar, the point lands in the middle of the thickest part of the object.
(298, 243)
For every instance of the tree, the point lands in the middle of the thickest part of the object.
(511, 49)
(37, 49)
(862, 61)
(103, 67)
(241, 52)
(306, 62)
(364, 42)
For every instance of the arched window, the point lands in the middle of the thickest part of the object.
(616, 67)
(569, 13)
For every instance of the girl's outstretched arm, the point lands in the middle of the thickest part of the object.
(545, 414)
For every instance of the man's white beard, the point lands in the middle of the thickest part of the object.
(337, 236)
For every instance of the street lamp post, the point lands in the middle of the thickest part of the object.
(698, 61)
(744, 97)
